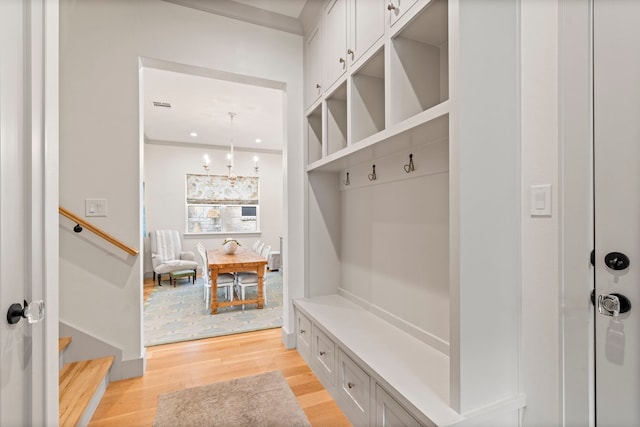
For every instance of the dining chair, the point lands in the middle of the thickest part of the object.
(246, 279)
(225, 280)
(254, 248)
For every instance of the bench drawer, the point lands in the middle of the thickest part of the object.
(303, 335)
(354, 388)
(390, 413)
(324, 354)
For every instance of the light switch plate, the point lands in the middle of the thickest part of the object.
(540, 200)
(95, 207)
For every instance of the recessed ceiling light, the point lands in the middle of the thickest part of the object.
(258, 140)
(193, 134)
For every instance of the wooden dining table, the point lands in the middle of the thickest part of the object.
(242, 260)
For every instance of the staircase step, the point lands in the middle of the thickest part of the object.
(63, 343)
(79, 382)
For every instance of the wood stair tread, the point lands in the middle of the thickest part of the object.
(78, 384)
(63, 343)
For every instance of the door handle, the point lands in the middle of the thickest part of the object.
(33, 312)
(613, 304)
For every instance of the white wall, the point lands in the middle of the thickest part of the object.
(165, 167)
(101, 43)
(540, 235)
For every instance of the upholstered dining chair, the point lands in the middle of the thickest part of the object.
(167, 255)
(246, 279)
(225, 280)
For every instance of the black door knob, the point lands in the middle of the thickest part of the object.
(616, 261)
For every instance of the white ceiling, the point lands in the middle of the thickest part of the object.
(202, 105)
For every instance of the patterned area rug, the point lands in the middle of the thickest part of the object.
(180, 313)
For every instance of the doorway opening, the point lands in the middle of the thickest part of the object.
(186, 136)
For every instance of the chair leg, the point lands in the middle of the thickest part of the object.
(159, 279)
(195, 271)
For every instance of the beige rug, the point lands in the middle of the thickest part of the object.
(260, 400)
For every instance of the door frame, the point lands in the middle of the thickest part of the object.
(575, 106)
(41, 124)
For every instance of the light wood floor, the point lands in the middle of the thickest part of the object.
(178, 366)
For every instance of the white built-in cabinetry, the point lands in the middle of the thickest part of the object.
(350, 28)
(411, 308)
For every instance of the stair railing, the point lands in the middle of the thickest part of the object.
(81, 223)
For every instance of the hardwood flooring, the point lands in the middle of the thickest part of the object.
(172, 367)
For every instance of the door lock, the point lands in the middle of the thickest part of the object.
(616, 261)
(613, 304)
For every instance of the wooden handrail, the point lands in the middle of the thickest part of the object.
(97, 231)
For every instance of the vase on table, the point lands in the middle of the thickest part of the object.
(229, 246)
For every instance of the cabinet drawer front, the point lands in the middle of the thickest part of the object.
(354, 387)
(390, 413)
(303, 333)
(324, 354)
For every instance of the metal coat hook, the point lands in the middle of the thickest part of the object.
(409, 168)
(347, 182)
(372, 175)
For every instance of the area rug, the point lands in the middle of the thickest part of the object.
(174, 314)
(259, 400)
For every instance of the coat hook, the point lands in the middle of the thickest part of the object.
(372, 175)
(77, 228)
(409, 168)
(347, 182)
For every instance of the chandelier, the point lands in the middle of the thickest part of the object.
(231, 175)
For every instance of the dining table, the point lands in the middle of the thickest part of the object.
(239, 261)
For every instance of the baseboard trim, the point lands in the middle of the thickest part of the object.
(288, 339)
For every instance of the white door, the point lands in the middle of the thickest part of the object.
(28, 209)
(616, 54)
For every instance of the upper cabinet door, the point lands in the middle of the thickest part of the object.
(367, 26)
(397, 8)
(313, 65)
(335, 48)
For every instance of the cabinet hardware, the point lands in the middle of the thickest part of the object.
(350, 385)
(346, 181)
(372, 175)
(302, 331)
(341, 60)
(322, 353)
(409, 168)
(351, 52)
(391, 7)
(317, 85)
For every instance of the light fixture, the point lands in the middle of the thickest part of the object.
(206, 161)
(193, 134)
(258, 140)
(255, 165)
(231, 176)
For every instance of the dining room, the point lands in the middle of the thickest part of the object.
(213, 173)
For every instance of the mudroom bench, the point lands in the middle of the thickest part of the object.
(377, 373)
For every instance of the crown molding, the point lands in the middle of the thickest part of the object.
(245, 13)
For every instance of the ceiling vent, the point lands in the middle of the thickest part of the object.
(161, 104)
